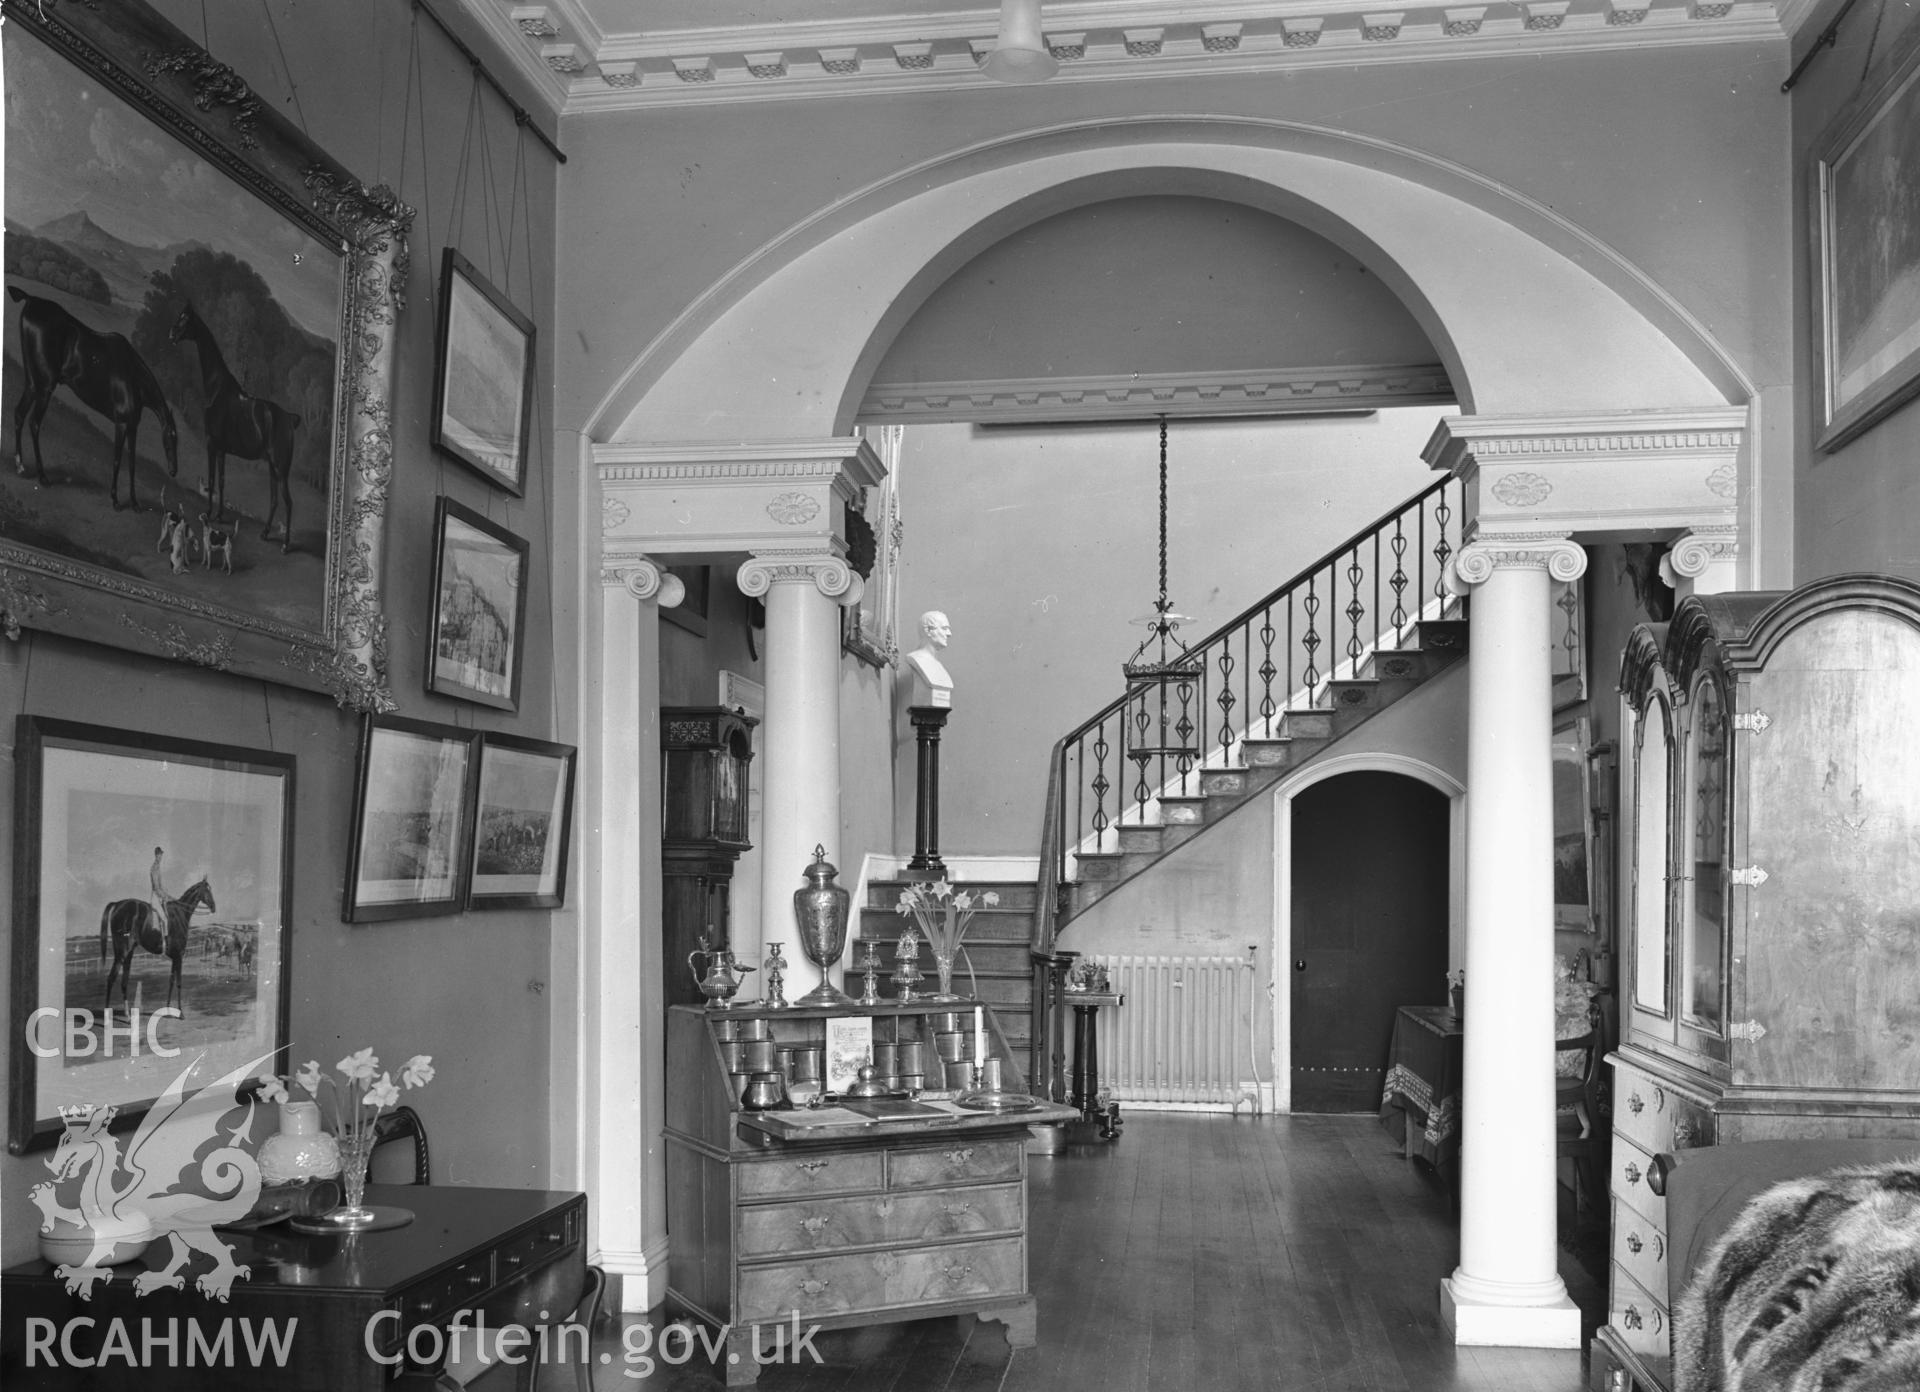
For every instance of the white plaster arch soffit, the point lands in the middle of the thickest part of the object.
(1530, 313)
(1369, 761)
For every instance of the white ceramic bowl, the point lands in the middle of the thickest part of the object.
(71, 1244)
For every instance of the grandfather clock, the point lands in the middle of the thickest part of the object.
(705, 751)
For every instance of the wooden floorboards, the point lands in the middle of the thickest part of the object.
(1197, 1253)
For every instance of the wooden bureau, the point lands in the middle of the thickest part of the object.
(785, 1220)
(1768, 960)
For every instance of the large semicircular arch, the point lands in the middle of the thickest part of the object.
(1528, 312)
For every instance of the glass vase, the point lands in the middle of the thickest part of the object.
(943, 969)
(355, 1152)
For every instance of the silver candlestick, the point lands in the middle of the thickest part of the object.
(776, 967)
(870, 968)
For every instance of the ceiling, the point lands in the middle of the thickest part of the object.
(588, 55)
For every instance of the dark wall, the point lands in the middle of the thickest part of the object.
(469, 989)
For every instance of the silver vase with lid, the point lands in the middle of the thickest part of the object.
(820, 910)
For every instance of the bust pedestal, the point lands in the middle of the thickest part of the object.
(927, 724)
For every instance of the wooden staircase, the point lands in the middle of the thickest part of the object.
(996, 948)
(1385, 677)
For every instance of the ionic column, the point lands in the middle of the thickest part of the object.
(801, 808)
(622, 1055)
(1507, 1288)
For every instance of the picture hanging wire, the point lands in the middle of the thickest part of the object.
(293, 88)
(520, 116)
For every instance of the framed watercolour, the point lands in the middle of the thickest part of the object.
(475, 641)
(168, 228)
(412, 809)
(1865, 184)
(521, 823)
(1572, 826)
(483, 377)
(148, 873)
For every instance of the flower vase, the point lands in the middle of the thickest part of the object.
(355, 1151)
(943, 969)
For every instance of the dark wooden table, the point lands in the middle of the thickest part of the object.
(335, 1301)
(1420, 1106)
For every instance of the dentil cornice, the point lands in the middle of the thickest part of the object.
(1460, 442)
(577, 67)
(848, 462)
(1277, 391)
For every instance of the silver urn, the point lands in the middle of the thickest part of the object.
(820, 911)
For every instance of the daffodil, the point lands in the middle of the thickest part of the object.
(418, 1072)
(359, 1067)
(309, 1076)
(382, 1093)
(272, 1089)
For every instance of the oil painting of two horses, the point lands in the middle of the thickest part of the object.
(170, 347)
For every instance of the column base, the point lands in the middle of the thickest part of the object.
(1482, 1322)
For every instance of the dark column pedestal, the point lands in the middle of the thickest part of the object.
(926, 864)
(1095, 1120)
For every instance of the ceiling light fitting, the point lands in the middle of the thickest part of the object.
(1020, 53)
(1161, 658)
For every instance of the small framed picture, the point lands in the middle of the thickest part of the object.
(1573, 825)
(152, 893)
(483, 378)
(412, 810)
(479, 608)
(521, 823)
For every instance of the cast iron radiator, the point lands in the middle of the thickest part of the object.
(1185, 1034)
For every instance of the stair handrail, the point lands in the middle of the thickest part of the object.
(1054, 837)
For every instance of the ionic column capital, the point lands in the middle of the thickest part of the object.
(1474, 564)
(643, 578)
(1695, 552)
(827, 572)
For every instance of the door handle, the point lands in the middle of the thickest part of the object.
(1299, 964)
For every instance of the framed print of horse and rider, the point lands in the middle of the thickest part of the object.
(199, 324)
(150, 873)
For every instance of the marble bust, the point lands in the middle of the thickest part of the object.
(932, 685)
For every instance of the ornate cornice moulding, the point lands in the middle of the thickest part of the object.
(1462, 443)
(1278, 391)
(849, 462)
(578, 68)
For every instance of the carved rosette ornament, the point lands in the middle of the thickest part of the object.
(1552, 552)
(831, 574)
(793, 509)
(644, 578)
(1522, 488)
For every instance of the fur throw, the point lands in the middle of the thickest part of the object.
(1815, 1288)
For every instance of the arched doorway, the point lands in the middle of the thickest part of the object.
(1369, 913)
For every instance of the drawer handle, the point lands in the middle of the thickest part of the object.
(1659, 1098)
(813, 1287)
(958, 1210)
(1635, 1105)
(959, 1157)
(476, 1279)
(956, 1274)
(1634, 1244)
(816, 1224)
(813, 1167)
(1659, 1247)
(1632, 1173)
(514, 1259)
(1632, 1318)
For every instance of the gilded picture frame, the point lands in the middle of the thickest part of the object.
(1864, 182)
(210, 227)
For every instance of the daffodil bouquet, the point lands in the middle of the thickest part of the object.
(360, 1095)
(943, 914)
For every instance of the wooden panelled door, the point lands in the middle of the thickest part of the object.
(1369, 929)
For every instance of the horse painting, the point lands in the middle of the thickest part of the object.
(131, 924)
(250, 427)
(103, 370)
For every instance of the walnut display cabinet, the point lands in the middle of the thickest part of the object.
(705, 753)
(1771, 940)
(826, 1218)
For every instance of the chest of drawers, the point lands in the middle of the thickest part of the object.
(772, 1230)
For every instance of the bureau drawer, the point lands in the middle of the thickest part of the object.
(811, 1174)
(1637, 1318)
(1653, 1116)
(530, 1249)
(954, 1164)
(457, 1288)
(1640, 1246)
(1630, 1166)
(859, 1282)
(825, 1225)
